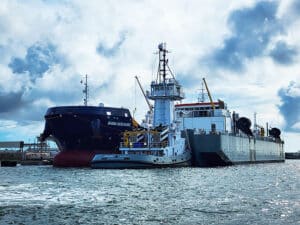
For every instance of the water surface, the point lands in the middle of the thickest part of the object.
(247, 194)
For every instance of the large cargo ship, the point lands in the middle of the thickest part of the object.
(80, 132)
(218, 137)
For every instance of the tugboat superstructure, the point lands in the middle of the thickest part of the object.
(159, 144)
(164, 91)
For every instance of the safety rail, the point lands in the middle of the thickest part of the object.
(240, 134)
(144, 145)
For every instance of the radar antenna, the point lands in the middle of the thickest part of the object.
(163, 66)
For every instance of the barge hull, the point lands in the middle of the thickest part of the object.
(210, 150)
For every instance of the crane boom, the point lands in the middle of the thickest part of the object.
(210, 98)
(147, 100)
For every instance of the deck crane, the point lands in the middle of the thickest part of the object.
(147, 100)
(209, 95)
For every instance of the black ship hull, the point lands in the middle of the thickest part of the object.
(80, 132)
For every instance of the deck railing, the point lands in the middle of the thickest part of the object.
(144, 145)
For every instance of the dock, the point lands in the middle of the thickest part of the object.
(11, 152)
(14, 152)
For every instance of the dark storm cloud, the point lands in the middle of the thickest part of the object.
(10, 101)
(38, 60)
(25, 114)
(290, 107)
(109, 52)
(14, 106)
(252, 30)
(283, 54)
(68, 96)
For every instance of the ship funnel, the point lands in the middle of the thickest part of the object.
(275, 132)
(244, 125)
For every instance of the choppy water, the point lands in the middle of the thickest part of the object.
(250, 194)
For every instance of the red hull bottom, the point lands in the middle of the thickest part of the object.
(76, 158)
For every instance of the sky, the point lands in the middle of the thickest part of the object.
(248, 51)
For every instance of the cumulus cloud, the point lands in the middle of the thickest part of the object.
(46, 47)
(21, 108)
(32, 72)
(283, 53)
(111, 51)
(39, 58)
(10, 102)
(296, 126)
(290, 106)
(295, 7)
(252, 29)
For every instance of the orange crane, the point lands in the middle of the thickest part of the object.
(210, 98)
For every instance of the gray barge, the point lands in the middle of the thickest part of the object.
(218, 137)
(217, 149)
(292, 155)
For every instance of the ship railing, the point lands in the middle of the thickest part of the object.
(239, 134)
(202, 113)
(158, 152)
(257, 137)
(144, 145)
(209, 131)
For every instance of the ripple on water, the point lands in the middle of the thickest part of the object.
(252, 194)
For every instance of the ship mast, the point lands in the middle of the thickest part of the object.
(164, 91)
(161, 73)
(85, 91)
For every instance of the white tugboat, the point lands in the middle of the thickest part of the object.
(160, 144)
